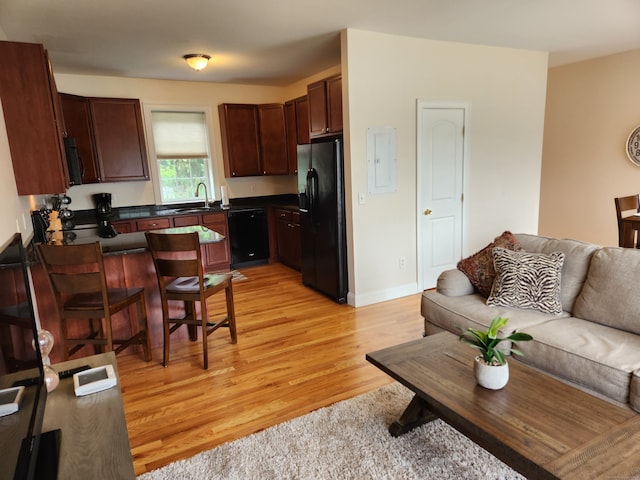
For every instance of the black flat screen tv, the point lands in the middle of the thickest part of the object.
(20, 363)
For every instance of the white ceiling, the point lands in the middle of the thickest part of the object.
(277, 42)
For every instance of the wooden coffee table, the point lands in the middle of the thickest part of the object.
(540, 426)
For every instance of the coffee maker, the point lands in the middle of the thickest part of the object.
(104, 212)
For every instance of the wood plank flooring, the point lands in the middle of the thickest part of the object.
(297, 351)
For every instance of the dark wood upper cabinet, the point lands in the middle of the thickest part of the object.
(317, 95)
(33, 119)
(325, 106)
(77, 122)
(240, 139)
(273, 140)
(118, 133)
(334, 104)
(253, 139)
(297, 123)
(292, 136)
(302, 119)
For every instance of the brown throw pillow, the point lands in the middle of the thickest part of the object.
(479, 266)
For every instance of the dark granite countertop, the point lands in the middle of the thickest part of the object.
(136, 242)
(289, 201)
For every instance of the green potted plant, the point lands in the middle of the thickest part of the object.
(491, 367)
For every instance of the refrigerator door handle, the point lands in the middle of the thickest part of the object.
(308, 204)
(313, 196)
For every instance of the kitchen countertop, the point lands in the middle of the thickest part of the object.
(135, 242)
(289, 201)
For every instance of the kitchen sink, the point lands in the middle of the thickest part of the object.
(179, 211)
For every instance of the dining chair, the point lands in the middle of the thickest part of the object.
(178, 262)
(78, 282)
(627, 204)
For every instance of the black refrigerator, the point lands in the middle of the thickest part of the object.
(322, 218)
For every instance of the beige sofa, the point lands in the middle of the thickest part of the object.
(594, 343)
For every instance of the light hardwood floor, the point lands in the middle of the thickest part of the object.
(297, 351)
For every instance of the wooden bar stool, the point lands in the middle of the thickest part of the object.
(178, 263)
(77, 278)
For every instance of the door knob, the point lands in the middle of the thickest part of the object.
(428, 212)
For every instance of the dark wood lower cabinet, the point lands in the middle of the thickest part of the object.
(288, 234)
(124, 226)
(217, 255)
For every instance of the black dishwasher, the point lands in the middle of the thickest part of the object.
(249, 237)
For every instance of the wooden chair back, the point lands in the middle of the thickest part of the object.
(175, 255)
(624, 204)
(74, 270)
(78, 282)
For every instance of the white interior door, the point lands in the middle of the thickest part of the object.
(440, 189)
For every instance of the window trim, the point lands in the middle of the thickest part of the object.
(213, 181)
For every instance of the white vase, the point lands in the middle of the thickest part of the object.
(493, 377)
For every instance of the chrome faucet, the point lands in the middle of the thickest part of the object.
(206, 195)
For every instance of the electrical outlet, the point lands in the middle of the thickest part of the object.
(402, 262)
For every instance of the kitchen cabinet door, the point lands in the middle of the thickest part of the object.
(288, 232)
(302, 120)
(273, 141)
(124, 226)
(292, 137)
(33, 119)
(317, 95)
(325, 107)
(77, 122)
(297, 123)
(334, 104)
(118, 133)
(217, 255)
(240, 139)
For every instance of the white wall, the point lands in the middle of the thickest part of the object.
(385, 76)
(592, 107)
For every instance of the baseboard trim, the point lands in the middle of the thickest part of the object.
(360, 300)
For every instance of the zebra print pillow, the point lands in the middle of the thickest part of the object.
(530, 281)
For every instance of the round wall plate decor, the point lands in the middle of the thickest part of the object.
(633, 146)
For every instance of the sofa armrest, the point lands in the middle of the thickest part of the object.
(454, 283)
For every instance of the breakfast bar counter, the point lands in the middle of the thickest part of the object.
(128, 264)
(135, 242)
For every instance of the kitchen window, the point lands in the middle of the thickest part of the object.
(182, 154)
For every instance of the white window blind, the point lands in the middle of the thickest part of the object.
(180, 134)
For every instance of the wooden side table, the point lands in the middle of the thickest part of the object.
(94, 440)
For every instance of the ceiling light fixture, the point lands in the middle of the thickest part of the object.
(197, 61)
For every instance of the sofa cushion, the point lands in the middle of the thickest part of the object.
(454, 283)
(479, 266)
(456, 314)
(530, 281)
(577, 256)
(591, 355)
(610, 293)
(531, 243)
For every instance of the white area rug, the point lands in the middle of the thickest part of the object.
(347, 440)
